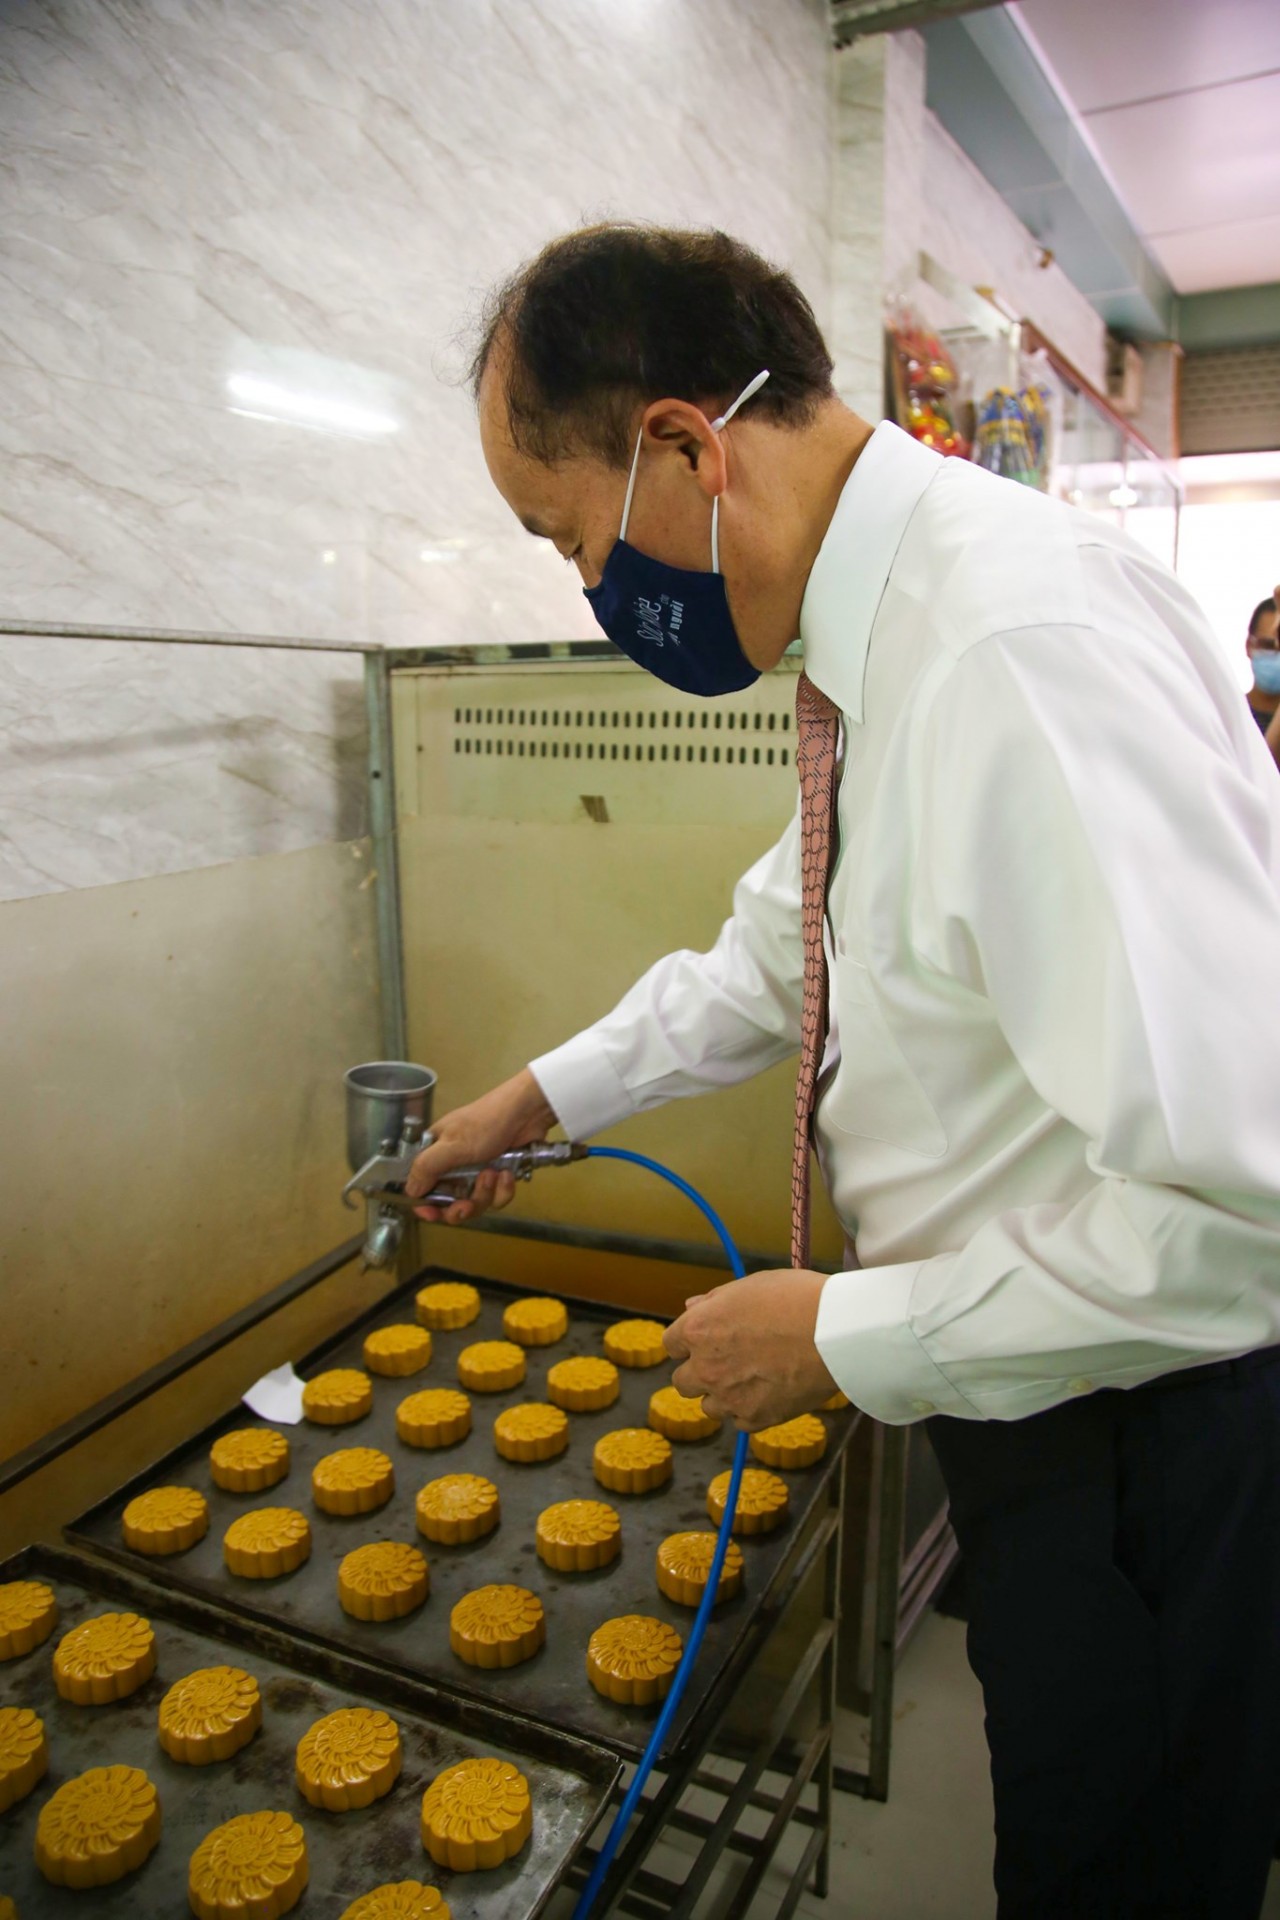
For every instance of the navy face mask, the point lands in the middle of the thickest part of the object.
(674, 621)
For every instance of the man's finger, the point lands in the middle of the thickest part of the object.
(712, 1407)
(675, 1342)
(685, 1379)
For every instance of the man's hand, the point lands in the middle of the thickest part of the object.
(509, 1116)
(747, 1349)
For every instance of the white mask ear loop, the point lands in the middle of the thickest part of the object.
(631, 486)
(723, 420)
(752, 386)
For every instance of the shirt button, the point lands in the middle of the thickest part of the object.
(923, 1406)
(1079, 1386)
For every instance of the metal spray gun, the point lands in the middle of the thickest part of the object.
(388, 1120)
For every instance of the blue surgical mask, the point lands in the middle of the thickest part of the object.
(1266, 670)
(674, 621)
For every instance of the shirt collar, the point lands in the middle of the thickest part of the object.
(848, 578)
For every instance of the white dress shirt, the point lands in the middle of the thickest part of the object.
(1052, 1127)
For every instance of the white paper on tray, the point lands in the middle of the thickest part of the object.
(277, 1396)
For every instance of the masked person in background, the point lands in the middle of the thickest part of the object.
(1034, 930)
(1263, 648)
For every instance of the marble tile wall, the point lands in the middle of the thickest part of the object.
(243, 243)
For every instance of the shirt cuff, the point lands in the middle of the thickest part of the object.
(583, 1086)
(864, 1335)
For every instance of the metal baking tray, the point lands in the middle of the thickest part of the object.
(349, 1853)
(552, 1687)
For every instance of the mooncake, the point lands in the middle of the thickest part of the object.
(336, 1398)
(584, 1384)
(497, 1626)
(436, 1417)
(209, 1715)
(384, 1580)
(635, 1343)
(531, 1431)
(28, 1615)
(633, 1659)
(535, 1322)
(267, 1542)
(105, 1658)
(398, 1900)
(353, 1480)
(349, 1759)
(796, 1443)
(397, 1351)
(763, 1501)
(98, 1827)
(251, 1867)
(249, 1460)
(680, 1418)
(447, 1305)
(632, 1460)
(577, 1536)
(24, 1754)
(457, 1508)
(492, 1366)
(166, 1520)
(684, 1566)
(477, 1814)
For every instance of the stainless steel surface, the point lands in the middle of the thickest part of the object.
(381, 1096)
(349, 1853)
(552, 1687)
(386, 854)
(178, 637)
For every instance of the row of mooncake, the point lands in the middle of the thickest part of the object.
(104, 1824)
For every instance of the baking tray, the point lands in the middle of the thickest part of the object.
(552, 1687)
(348, 1852)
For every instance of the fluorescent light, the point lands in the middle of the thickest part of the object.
(1124, 496)
(269, 401)
(328, 558)
(438, 556)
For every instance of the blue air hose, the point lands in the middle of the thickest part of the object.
(604, 1859)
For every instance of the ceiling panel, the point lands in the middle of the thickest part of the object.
(1244, 253)
(1108, 52)
(1197, 158)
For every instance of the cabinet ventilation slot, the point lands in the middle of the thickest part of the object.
(591, 733)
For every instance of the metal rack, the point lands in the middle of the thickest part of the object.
(803, 1759)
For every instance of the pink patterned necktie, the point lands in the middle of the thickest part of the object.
(817, 731)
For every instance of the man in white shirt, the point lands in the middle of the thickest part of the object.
(1049, 1113)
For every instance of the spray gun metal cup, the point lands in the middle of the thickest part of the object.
(388, 1113)
(381, 1096)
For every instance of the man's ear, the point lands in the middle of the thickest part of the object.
(678, 427)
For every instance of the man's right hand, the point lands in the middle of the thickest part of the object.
(509, 1116)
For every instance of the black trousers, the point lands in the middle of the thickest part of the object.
(1123, 1566)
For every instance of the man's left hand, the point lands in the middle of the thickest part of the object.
(747, 1349)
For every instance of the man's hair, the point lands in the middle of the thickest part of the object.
(615, 316)
(1263, 606)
